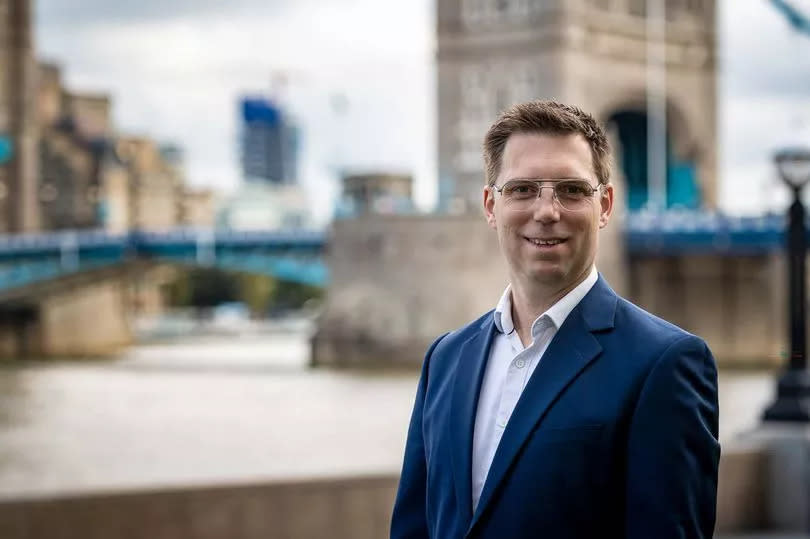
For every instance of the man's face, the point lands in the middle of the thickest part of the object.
(573, 234)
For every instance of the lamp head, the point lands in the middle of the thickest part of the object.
(793, 165)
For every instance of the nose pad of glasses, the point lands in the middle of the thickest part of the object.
(550, 198)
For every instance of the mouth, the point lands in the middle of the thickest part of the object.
(545, 243)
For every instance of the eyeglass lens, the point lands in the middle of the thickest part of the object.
(570, 194)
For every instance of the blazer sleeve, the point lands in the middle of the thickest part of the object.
(409, 520)
(673, 451)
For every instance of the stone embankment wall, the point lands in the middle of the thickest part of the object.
(339, 508)
(353, 508)
(86, 319)
(397, 282)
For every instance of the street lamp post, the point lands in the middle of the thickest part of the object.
(793, 390)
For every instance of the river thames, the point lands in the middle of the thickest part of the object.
(224, 409)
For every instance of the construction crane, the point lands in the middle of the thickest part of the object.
(798, 20)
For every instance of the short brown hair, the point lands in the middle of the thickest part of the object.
(546, 117)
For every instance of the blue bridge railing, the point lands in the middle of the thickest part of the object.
(294, 255)
(685, 232)
(297, 255)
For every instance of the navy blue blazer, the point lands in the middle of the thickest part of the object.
(614, 436)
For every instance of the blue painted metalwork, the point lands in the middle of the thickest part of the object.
(6, 149)
(684, 232)
(29, 271)
(294, 255)
(798, 20)
(682, 189)
(297, 255)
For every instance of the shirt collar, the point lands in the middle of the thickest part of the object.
(557, 313)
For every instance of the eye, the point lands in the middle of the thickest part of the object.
(520, 189)
(574, 189)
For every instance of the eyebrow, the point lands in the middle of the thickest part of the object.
(547, 179)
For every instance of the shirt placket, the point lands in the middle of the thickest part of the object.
(513, 384)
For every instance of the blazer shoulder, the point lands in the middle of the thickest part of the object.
(653, 329)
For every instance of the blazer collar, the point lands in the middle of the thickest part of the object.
(469, 373)
(598, 307)
(572, 349)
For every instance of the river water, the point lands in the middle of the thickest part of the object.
(225, 409)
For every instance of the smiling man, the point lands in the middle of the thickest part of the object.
(566, 412)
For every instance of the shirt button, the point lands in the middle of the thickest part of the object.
(520, 363)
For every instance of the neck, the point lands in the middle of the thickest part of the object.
(530, 300)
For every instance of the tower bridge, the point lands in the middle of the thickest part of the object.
(649, 75)
(65, 293)
(365, 256)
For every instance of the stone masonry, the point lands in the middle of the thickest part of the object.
(18, 186)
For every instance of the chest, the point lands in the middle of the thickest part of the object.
(595, 407)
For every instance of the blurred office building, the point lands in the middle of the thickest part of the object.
(270, 196)
(269, 143)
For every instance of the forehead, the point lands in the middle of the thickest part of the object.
(535, 155)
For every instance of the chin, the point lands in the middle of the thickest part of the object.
(546, 275)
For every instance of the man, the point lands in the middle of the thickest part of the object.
(567, 412)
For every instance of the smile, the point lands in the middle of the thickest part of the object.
(544, 242)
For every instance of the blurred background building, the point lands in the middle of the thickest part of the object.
(262, 206)
(19, 210)
(269, 143)
(375, 193)
(270, 196)
(597, 55)
(92, 176)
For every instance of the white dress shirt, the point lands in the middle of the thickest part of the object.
(507, 372)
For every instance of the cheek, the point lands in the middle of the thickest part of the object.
(507, 224)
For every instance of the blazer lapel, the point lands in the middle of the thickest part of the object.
(470, 368)
(572, 349)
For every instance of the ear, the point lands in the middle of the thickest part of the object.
(606, 205)
(489, 205)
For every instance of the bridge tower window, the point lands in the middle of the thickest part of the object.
(682, 189)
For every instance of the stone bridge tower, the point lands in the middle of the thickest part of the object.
(592, 53)
(19, 209)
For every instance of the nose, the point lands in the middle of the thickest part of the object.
(545, 208)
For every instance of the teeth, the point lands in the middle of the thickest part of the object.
(545, 242)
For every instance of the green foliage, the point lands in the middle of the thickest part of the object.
(291, 296)
(202, 287)
(209, 287)
(256, 291)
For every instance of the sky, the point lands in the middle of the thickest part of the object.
(175, 70)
